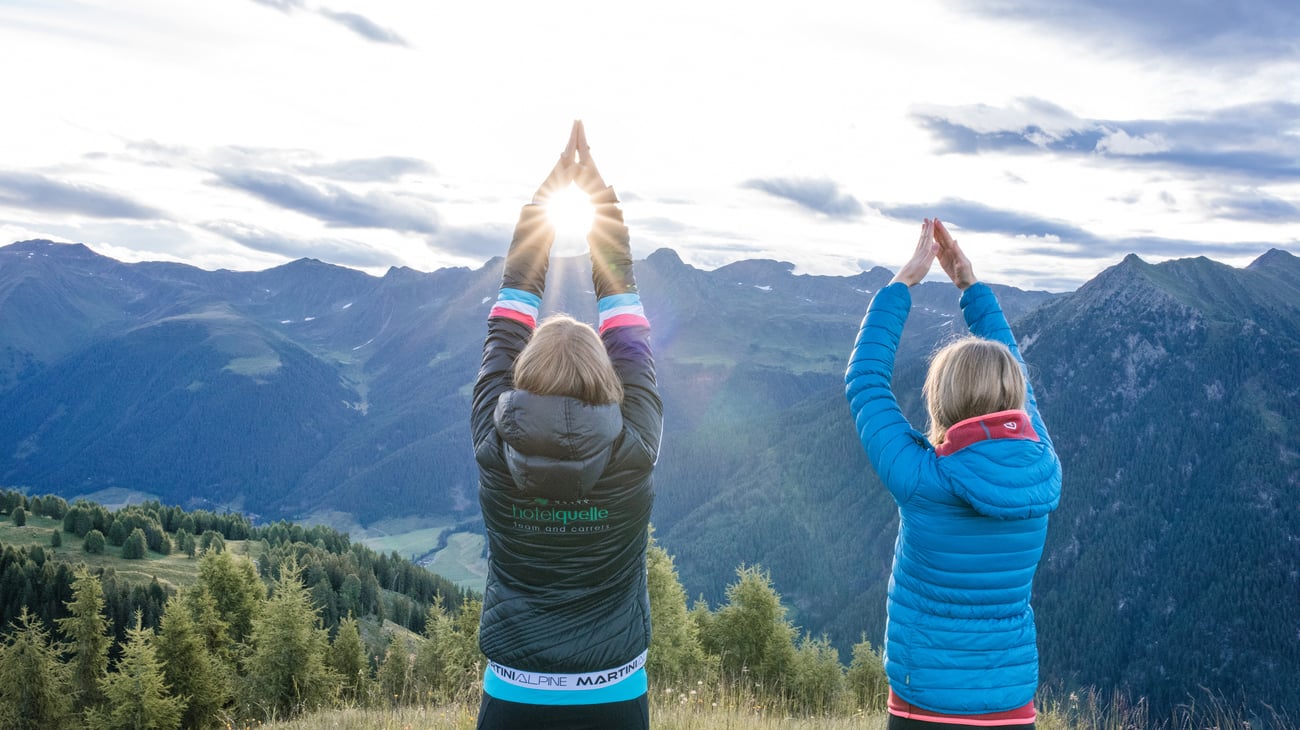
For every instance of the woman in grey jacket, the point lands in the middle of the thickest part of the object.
(566, 425)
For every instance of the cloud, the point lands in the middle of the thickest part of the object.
(359, 24)
(1255, 141)
(482, 242)
(981, 218)
(1049, 237)
(1256, 206)
(364, 27)
(821, 196)
(39, 193)
(1043, 281)
(1120, 142)
(283, 6)
(333, 250)
(1240, 31)
(334, 205)
(371, 169)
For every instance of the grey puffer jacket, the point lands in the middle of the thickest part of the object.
(565, 486)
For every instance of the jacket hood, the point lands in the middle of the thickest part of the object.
(555, 446)
(1001, 467)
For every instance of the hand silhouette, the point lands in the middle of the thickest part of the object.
(587, 176)
(562, 174)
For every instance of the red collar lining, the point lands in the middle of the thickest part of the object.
(1001, 425)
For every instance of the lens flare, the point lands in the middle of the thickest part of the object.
(571, 214)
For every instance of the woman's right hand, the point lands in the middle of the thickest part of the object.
(922, 258)
(952, 258)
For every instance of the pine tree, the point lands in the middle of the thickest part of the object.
(117, 533)
(185, 542)
(675, 651)
(136, 695)
(816, 676)
(286, 672)
(135, 546)
(234, 587)
(33, 683)
(212, 542)
(347, 657)
(190, 669)
(214, 630)
(395, 675)
(56, 537)
(866, 677)
(448, 662)
(94, 543)
(87, 632)
(20, 517)
(751, 633)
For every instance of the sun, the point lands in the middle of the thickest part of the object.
(571, 213)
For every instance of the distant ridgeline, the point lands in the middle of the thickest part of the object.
(1171, 391)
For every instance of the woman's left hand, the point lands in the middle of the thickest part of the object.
(563, 172)
(922, 258)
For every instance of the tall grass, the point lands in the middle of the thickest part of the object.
(727, 707)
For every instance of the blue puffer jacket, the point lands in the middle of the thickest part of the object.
(960, 637)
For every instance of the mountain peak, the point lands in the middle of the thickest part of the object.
(1275, 257)
(307, 265)
(42, 245)
(665, 257)
(758, 271)
(402, 274)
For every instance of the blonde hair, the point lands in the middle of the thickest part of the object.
(566, 357)
(968, 378)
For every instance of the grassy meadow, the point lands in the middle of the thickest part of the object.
(174, 571)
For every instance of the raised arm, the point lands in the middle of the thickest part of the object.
(622, 321)
(896, 450)
(514, 315)
(983, 313)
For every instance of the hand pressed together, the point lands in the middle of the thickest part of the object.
(918, 266)
(936, 243)
(562, 174)
(586, 175)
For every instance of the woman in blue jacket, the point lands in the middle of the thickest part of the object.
(973, 497)
(566, 425)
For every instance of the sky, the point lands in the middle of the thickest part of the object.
(1053, 138)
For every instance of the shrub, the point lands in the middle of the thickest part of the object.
(135, 546)
(95, 542)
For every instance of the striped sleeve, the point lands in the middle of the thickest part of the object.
(517, 304)
(621, 310)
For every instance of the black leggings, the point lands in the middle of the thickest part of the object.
(903, 723)
(494, 714)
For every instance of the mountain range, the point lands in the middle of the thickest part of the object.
(1170, 390)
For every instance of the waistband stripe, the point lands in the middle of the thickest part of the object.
(566, 682)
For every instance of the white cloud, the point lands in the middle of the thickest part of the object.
(1119, 142)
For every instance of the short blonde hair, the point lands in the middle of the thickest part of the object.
(566, 357)
(971, 377)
